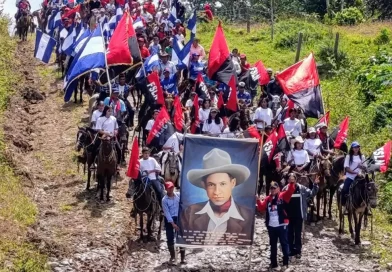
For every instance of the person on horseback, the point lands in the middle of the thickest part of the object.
(297, 210)
(170, 207)
(312, 144)
(353, 165)
(298, 158)
(96, 114)
(151, 122)
(196, 66)
(169, 83)
(244, 95)
(213, 126)
(151, 166)
(275, 205)
(292, 124)
(166, 64)
(24, 8)
(124, 90)
(197, 49)
(327, 142)
(116, 104)
(204, 112)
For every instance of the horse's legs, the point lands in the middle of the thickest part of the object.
(318, 205)
(358, 224)
(108, 187)
(325, 203)
(160, 226)
(88, 177)
(341, 215)
(101, 185)
(350, 223)
(141, 225)
(332, 191)
(150, 220)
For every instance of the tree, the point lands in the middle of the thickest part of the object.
(381, 7)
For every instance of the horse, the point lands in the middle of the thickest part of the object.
(335, 179)
(274, 103)
(325, 167)
(123, 136)
(145, 201)
(170, 163)
(85, 139)
(106, 166)
(362, 197)
(23, 25)
(184, 91)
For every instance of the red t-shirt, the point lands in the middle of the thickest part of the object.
(245, 67)
(144, 52)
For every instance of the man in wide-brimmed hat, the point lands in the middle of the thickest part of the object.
(220, 214)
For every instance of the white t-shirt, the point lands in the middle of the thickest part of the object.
(149, 125)
(300, 157)
(148, 165)
(108, 125)
(228, 134)
(263, 114)
(173, 142)
(353, 166)
(273, 216)
(189, 103)
(312, 145)
(203, 115)
(213, 128)
(292, 126)
(95, 116)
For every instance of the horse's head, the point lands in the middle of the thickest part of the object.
(81, 138)
(275, 102)
(372, 190)
(172, 160)
(325, 166)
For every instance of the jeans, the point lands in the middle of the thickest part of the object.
(280, 233)
(346, 190)
(170, 232)
(294, 235)
(156, 184)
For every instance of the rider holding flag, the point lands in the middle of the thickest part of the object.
(24, 7)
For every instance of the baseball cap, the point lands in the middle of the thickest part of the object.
(274, 185)
(312, 130)
(241, 84)
(168, 185)
(242, 56)
(355, 144)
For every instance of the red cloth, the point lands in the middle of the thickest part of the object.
(222, 208)
(161, 35)
(209, 14)
(232, 101)
(23, 5)
(134, 164)
(150, 8)
(245, 67)
(195, 122)
(144, 52)
(118, 104)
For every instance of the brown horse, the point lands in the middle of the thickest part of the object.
(106, 166)
(23, 25)
(325, 167)
(85, 139)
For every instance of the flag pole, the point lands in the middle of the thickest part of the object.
(106, 63)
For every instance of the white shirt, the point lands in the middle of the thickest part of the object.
(218, 225)
(292, 126)
(189, 103)
(180, 38)
(300, 157)
(173, 142)
(148, 165)
(121, 90)
(354, 166)
(149, 125)
(213, 128)
(312, 145)
(203, 115)
(273, 216)
(263, 114)
(95, 116)
(108, 125)
(228, 134)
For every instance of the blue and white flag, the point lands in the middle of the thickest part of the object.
(149, 64)
(91, 56)
(80, 41)
(173, 13)
(67, 46)
(63, 32)
(138, 23)
(181, 54)
(192, 24)
(44, 45)
(54, 21)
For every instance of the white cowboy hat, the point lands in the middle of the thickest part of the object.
(218, 161)
(299, 139)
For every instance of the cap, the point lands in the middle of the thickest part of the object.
(311, 130)
(242, 56)
(241, 84)
(269, 70)
(274, 185)
(214, 110)
(115, 91)
(169, 184)
(355, 144)
(166, 70)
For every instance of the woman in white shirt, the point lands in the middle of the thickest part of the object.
(263, 115)
(233, 131)
(312, 144)
(189, 103)
(298, 157)
(353, 164)
(97, 113)
(151, 122)
(213, 126)
(204, 112)
(292, 124)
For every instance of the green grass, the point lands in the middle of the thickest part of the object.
(17, 211)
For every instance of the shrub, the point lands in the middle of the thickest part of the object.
(383, 37)
(330, 65)
(349, 16)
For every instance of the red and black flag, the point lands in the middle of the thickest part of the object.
(221, 108)
(123, 51)
(195, 115)
(161, 130)
(252, 132)
(154, 88)
(275, 143)
(71, 13)
(232, 104)
(339, 135)
(263, 74)
(300, 82)
(256, 75)
(134, 164)
(379, 161)
(178, 118)
(220, 66)
(201, 88)
(323, 121)
(285, 113)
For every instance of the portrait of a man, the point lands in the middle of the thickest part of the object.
(220, 215)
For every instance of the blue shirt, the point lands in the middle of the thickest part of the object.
(170, 206)
(195, 68)
(107, 102)
(244, 96)
(124, 90)
(170, 84)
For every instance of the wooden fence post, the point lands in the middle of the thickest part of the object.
(336, 47)
(299, 47)
(272, 19)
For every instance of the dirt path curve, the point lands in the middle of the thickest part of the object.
(80, 234)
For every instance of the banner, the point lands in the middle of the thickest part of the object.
(219, 176)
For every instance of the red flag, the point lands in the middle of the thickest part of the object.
(323, 121)
(300, 82)
(290, 105)
(341, 133)
(120, 2)
(134, 164)
(195, 110)
(178, 117)
(71, 12)
(381, 157)
(269, 148)
(263, 74)
(253, 132)
(162, 118)
(155, 87)
(220, 66)
(201, 88)
(232, 101)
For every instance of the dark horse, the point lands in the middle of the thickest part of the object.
(23, 25)
(362, 197)
(106, 166)
(325, 169)
(123, 136)
(145, 201)
(85, 139)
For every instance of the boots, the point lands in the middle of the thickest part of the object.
(182, 253)
(172, 254)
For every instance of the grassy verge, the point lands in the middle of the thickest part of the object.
(17, 211)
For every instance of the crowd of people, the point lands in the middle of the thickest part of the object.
(285, 205)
